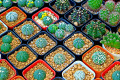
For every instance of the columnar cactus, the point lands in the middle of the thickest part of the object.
(52, 28)
(7, 3)
(116, 75)
(78, 43)
(60, 33)
(117, 7)
(69, 28)
(5, 47)
(47, 20)
(41, 42)
(62, 25)
(110, 5)
(12, 16)
(79, 75)
(38, 3)
(3, 73)
(22, 3)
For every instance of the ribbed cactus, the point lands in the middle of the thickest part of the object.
(7, 39)
(52, 28)
(12, 16)
(47, 20)
(41, 42)
(5, 47)
(62, 25)
(79, 75)
(116, 75)
(78, 43)
(30, 3)
(59, 33)
(7, 3)
(117, 7)
(69, 28)
(4, 72)
(96, 29)
(22, 2)
(110, 5)
(39, 3)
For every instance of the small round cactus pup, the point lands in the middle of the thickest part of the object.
(3, 73)
(62, 25)
(39, 3)
(79, 75)
(47, 20)
(41, 15)
(30, 3)
(12, 16)
(59, 59)
(39, 74)
(7, 39)
(5, 47)
(110, 5)
(116, 75)
(60, 33)
(78, 43)
(52, 28)
(69, 28)
(1, 3)
(99, 58)
(22, 3)
(41, 42)
(104, 14)
(7, 3)
(117, 7)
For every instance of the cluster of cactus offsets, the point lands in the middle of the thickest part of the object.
(79, 75)
(112, 40)
(116, 75)
(41, 42)
(11, 16)
(5, 3)
(41, 15)
(3, 73)
(96, 29)
(60, 33)
(52, 28)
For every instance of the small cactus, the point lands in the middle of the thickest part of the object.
(59, 59)
(41, 15)
(117, 7)
(69, 28)
(7, 3)
(59, 33)
(47, 20)
(5, 47)
(7, 39)
(4, 72)
(79, 75)
(110, 5)
(22, 3)
(52, 28)
(39, 3)
(78, 43)
(41, 42)
(1, 3)
(62, 25)
(116, 75)
(12, 16)
(30, 3)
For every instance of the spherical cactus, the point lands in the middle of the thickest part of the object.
(94, 4)
(52, 28)
(47, 20)
(78, 43)
(99, 58)
(39, 3)
(7, 3)
(22, 56)
(117, 7)
(114, 18)
(3, 73)
(7, 39)
(110, 5)
(5, 47)
(27, 29)
(30, 3)
(22, 3)
(12, 16)
(59, 33)
(62, 25)
(69, 28)
(59, 59)
(104, 14)
(41, 42)
(79, 75)
(41, 15)
(39, 74)
(116, 75)
(0, 3)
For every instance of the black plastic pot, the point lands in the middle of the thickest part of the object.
(58, 78)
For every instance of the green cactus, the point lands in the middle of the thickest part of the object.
(69, 28)
(1, 3)
(12, 16)
(78, 43)
(41, 15)
(59, 59)
(47, 20)
(110, 5)
(117, 7)
(30, 3)
(116, 75)
(52, 28)
(5, 47)
(59, 33)
(22, 3)
(7, 3)
(79, 75)
(7, 39)
(4, 72)
(41, 42)
(39, 74)
(39, 3)
(62, 25)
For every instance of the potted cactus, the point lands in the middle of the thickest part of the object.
(18, 78)
(3, 28)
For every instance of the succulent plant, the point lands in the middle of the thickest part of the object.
(96, 29)
(110, 5)
(114, 18)
(62, 25)
(41, 15)
(39, 3)
(94, 4)
(62, 5)
(112, 40)
(78, 43)
(59, 59)
(27, 29)
(3, 73)
(41, 42)
(7, 39)
(52, 28)
(22, 56)
(47, 20)
(7, 3)
(30, 3)
(79, 75)
(117, 7)
(22, 3)
(1, 3)
(39, 74)
(5, 47)
(12, 16)
(69, 28)
(116, 75)
(59, 33)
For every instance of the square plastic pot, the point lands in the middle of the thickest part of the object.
(48, 9)
(81, 63)
(34, 64)
(98, 73)
(4, 26)
(18, 77)
(58, 78)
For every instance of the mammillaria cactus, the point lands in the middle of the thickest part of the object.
(22, 2)
(117, 7)
(62, 25)
(69, 28)
(41, 42)
(41, 15)
(7, 39)
(59, 33)
(12, 16)
(27, 29)
(0, 3)
(59, 59)
(79, 75)
(5, 47)
(52, 28)
(110, 5)
(47, 20)
(3, 73)
(7, 3)
(39, 3)
(30, 3)
(39, 74)
(96, 29)
(116, 75)
(78, 43)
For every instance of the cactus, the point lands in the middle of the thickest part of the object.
(96, 29)
(69, 28)
(39, 74)
(94, 4)
(41, 15)
(78, 43)
(117, 7)
(27, 29)
(59, 59)
(110, 5)
(47, 20)
(114, 18)
(116, 75)
(1, 3)
(79, 75)
(41, 42)
(30, 3)
(62, 5)
(62, 25)
(5, 47)
(3, 73)
(112, 40)
(52, 28)
(39, 3)
(12, 16)
(59, 33)
(7, 39)
(7, 3)
(22, 3)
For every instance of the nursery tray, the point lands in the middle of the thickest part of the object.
(4, 26)
(17, 77)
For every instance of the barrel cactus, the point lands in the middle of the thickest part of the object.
(78, 43)
(5, 47)
(52, 28)
(60, 33)
(110, 5)
(12, 16)
(7, 3)
(59, 59)
(41, 42)
(62, 25)
(1, 3)
(41, 15)
(4, 72)
(27, 29)
(22, 3)
(47, 20)
(39, 74)
(117, 7)
(30, 3)
(39, 3)
(69, 28)
(79, 75)
(7, 39)
(116, 75)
